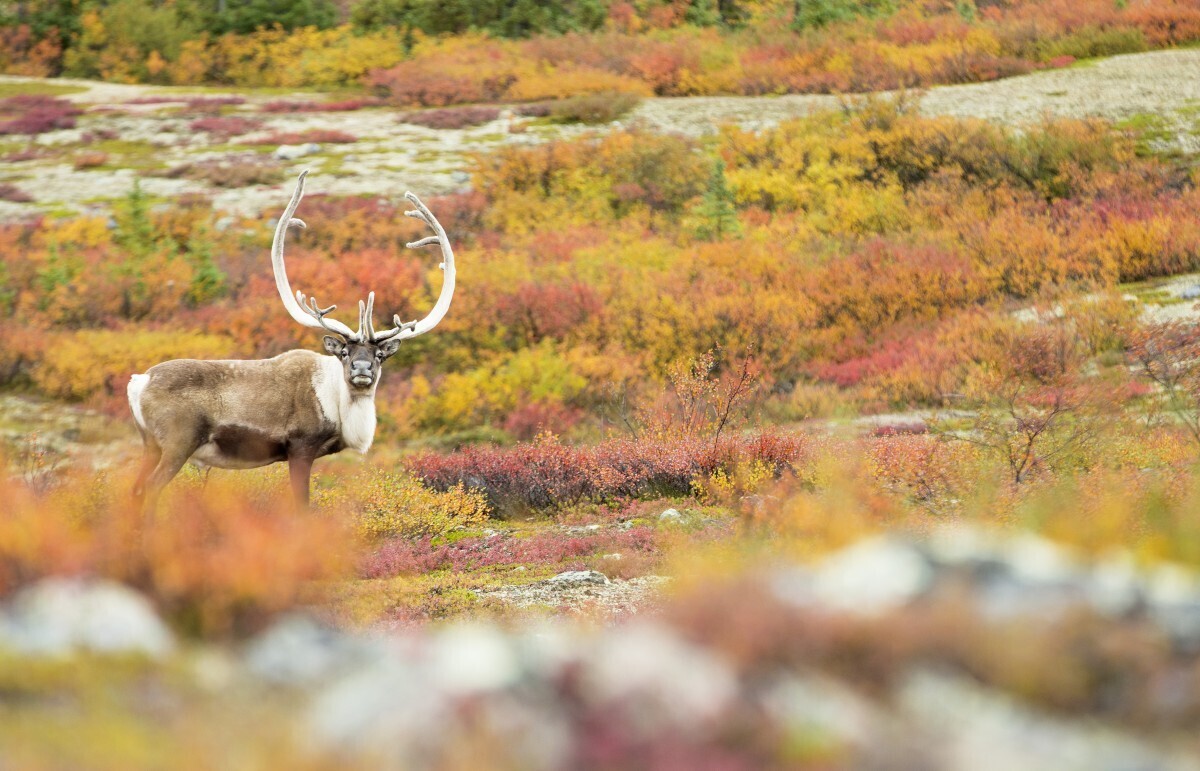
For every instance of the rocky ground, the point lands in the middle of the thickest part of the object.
(1113, 647)
(144, 141)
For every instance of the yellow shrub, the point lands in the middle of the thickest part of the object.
(389, 503)
(95, 362)
(552, 83)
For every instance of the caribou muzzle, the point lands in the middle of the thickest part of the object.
(361, 374)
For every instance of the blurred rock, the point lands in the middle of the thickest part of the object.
(659, 679)
(972, 727)
(298, 651)
(1114, 587)
(292, 152)
(57, 617)
(872, 576)
(469, 658)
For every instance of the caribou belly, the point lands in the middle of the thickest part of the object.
(240, 447)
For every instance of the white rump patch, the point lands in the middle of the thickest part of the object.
(137, 384)
(354, 415)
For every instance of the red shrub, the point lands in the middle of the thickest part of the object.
(547, 473)
(36, 114)
(536, 311)
(451, 118)
(226, 126)
(212, 104)
(345, 105)
(413, 83)
(10, 192)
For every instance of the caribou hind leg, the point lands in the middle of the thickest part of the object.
(151, 453)
(174, 455)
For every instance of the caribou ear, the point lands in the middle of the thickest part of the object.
(333, 345)
(389, 347)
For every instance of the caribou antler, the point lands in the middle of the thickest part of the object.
(307, 312)
(308, 315)
(405, 330)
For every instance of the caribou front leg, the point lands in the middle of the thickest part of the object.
(300, 469)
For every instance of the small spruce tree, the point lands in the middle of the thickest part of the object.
(714, 216)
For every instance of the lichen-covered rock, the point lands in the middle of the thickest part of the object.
(577, 578)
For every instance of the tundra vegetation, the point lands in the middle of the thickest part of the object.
(666, 357)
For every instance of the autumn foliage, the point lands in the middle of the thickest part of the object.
(867, 258)
(669, 49)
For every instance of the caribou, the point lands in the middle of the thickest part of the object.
(295, 407)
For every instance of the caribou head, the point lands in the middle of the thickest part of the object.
(362, 351)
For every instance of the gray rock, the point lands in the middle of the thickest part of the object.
(578, 578)
(60, 616)
(672, 515)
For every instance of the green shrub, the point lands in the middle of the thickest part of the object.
(604, 107)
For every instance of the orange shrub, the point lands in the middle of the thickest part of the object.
(217, 562)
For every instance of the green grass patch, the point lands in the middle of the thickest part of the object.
(19, 88)
(1151, 132)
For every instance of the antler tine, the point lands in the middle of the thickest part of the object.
(368, 327)
(318, 313)
(405, 330)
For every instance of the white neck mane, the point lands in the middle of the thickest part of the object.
(354, 414)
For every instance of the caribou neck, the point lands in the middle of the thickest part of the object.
(351, 411)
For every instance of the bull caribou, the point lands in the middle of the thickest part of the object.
(295, 407)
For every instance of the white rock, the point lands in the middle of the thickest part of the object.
(983, 730)
(471, 658)
(292, 152)
(59, 616)
(1039, 561)
(298, 651)
(1115, 587)
(659, 678)
(872, 576)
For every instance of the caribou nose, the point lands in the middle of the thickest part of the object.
(360, 373)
